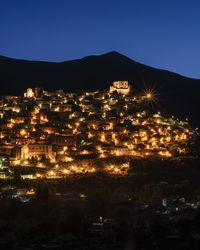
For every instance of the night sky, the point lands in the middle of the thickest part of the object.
(159, 33)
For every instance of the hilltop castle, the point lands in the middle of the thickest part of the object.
(122, 87)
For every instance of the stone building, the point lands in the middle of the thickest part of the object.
(122, 87)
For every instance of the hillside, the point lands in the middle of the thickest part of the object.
(180, 94)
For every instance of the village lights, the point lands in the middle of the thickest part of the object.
(71, 140)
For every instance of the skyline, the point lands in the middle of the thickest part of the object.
(161, 35)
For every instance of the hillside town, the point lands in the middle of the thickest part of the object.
(97, 170)
(63, 133)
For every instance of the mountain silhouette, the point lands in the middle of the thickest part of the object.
(180, 94)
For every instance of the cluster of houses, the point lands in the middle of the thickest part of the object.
(102, 124)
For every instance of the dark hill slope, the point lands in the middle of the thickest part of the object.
(181, 94)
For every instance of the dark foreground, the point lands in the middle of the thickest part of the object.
(155, 208)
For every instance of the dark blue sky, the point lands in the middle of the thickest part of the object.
(159, 33)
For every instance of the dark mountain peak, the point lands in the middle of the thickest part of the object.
(108, 54)
(107, 57)
(116, 55)
(112, 53)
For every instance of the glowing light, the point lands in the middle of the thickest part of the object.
(149, 96)
(51, 173)
(102, 155)
(103, 138)
(68, 159)
(22, 132)
(65, 171)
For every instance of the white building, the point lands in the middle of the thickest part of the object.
(29, 93)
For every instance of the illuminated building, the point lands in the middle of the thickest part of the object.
(29, 93)
(32, 150)
(122, 87)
